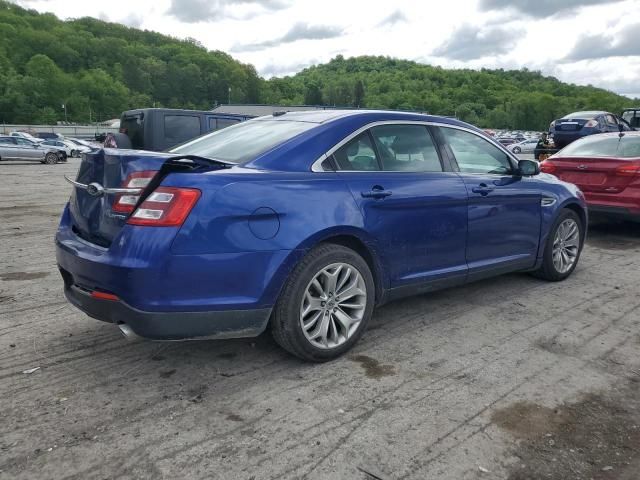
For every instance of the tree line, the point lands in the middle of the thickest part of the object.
(97, 69)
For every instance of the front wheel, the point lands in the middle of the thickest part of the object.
(74, 153)
(325, 304)
(563, 247)
(50, 158)
(517, 150)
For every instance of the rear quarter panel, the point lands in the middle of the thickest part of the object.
(256, 211)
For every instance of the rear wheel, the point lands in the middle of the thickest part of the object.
(74, 153)
(517, 150)
(325, 304)
(50, 158)
(563, 247)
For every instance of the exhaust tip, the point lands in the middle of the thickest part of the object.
(128, 333)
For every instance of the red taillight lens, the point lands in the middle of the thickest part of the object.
(630, 170)
(591, 124)
(125, 203)
(165, 207)
(547, 167)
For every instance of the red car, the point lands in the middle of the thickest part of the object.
(606, 168)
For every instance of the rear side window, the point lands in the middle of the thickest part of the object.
(180, 128)
(220, 123)
(475, 154)
(6, 141)
(406, 148)
(357, 154)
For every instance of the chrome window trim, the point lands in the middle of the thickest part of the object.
(317, 165)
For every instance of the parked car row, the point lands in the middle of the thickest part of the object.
(20, 148)
(24, 146)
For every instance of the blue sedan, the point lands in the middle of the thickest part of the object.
(303, 223)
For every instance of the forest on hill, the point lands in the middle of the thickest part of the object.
(97, 69)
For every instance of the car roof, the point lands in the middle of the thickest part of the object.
(326, 116)
(586, 114)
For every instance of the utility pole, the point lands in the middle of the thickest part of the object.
(229, 95)
(64, 106)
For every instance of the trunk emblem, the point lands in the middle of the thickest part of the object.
(95, 189)
(582, 167)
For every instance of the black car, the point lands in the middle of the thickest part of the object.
(580, 124)
(159, 129)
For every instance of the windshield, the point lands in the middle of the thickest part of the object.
(604, 146)
(243, 142)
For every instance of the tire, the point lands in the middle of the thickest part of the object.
(320, 264)
(74, 153)
(50, 158)
(549, 270)
(517, 150)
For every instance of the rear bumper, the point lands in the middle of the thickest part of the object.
(622, 213)
(170, 325)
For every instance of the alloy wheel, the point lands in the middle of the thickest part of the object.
(566, 245)
(333, 305)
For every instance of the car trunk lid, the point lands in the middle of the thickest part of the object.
(570, 124)
(97, 212)
(597, 175)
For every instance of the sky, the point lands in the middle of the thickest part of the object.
(587, 42)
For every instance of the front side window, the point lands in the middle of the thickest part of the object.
(406, 148)
(357, 154)
(475, 154)
(180, 128)
(22, 141)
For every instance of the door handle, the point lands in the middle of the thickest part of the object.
(482, 189)
(376, 192)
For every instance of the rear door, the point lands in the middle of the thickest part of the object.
(410, 203)
(504, 213)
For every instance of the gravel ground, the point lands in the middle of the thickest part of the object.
(507, 378)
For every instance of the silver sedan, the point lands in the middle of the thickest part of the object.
(17, 148)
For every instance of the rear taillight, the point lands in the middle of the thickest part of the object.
(165, 207)
(124, 203)
(547, 167)
(630, 170)
(591, 124)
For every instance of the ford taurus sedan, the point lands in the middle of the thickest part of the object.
(302, 223)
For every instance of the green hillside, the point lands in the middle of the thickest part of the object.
(519, 99)
(98, 69)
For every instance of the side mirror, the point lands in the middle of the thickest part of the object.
(528, 168)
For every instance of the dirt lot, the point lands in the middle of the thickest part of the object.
(508, 378)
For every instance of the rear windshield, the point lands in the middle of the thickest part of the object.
(243, 142)
(632, 117)
(133, 127)
(604, 146)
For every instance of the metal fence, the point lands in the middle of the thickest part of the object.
(80, 131)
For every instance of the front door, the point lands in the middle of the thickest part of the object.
(416, 211)
(504, 214)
